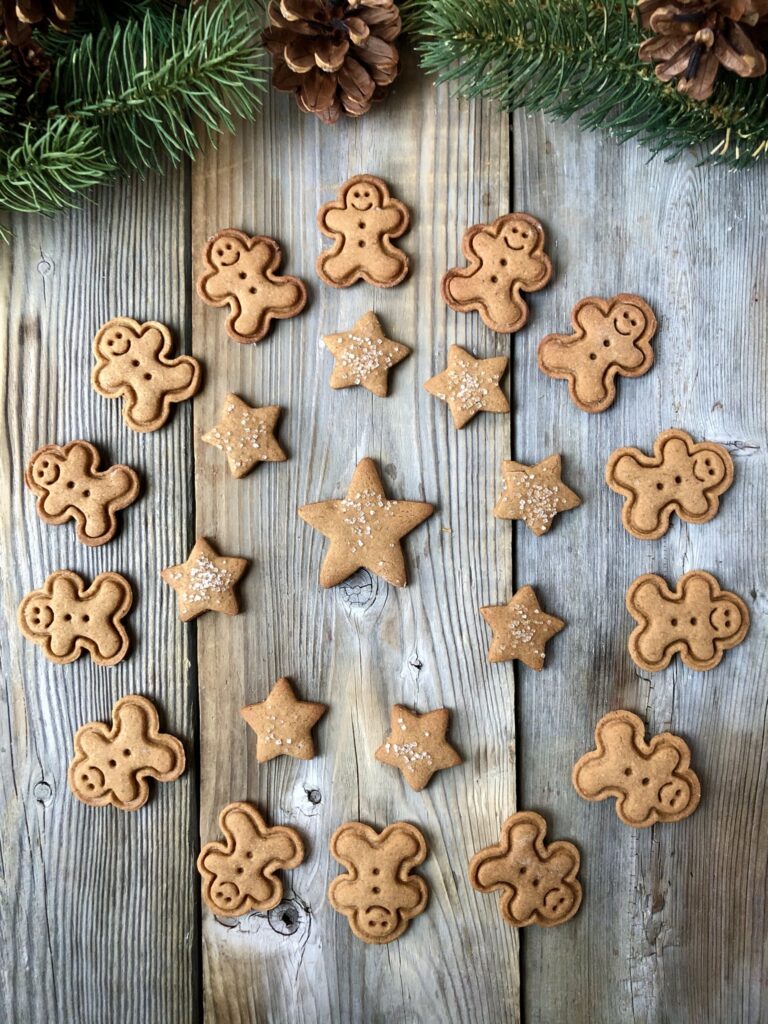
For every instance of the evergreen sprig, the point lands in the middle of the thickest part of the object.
(128, 96)
(569, 57)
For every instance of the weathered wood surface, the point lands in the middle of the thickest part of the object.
(673, 927)
(97, 907)
(99, 910)
(362, 646)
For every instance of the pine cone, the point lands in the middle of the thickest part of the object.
(335, 55)
(694, 38)
(20, 17)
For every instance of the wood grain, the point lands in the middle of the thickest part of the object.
(97, 907)
(673, 922)
(361, 646)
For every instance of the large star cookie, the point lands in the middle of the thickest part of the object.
(534, 494)
(283, 723)
(246, 435)
(417, 744)
(364, 356)
(470, 385)
(365, 528)
(205, 582)
(521, 629)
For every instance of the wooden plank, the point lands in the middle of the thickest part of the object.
(97, 907)
(673, 923)
(362, 646)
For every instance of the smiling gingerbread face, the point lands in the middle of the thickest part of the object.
(363, 196)
(226, 251)
(519, 235)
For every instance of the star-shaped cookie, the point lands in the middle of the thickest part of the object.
(283, 723)
(534, 494)
(364, 356)
(246, 435)
(417, 744)
(521, 629)
(205, 582)
(365, 529)
(470, 385)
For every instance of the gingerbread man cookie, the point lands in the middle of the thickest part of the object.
(69, 485)
(539, 883)
(133, 362)
(651, 781)
(239, 874)
(112, 765)
(680, 476)
(697, 620)
(378, 893)
(611, 338)
(240, 272)
(65, 618)
(362, 221)
(505, 258)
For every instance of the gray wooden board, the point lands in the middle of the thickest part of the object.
(98, 909)
(673, 926)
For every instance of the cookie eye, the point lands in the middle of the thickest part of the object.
(494, 279)
(367, 195)
(361, 244)
(147, 376)
(645, 781)
(219, 252)
(135, 362)
(113, 763)
(593, 355)
(375, 890)
(356, 195)
(86, 494)
(252, 290)
(503, 261)
(70, 484)
(678, 479)
(86, 618)
(606, 342)
(535, 883)
(126, 753)
(659, 486)
(628, 772)
(361, 224)
(228, 246)
(242, 275)
(67, 617)
(673, 622)
(523, 869)
(525, 234)
(119, 336)
(514, 231)
(693, 620)
(375, 871)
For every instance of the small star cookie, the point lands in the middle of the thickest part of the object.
(364, 356)
(417, 744)
(470, 385)
(205, 582)
(283, 723)
(246, 435)
(365, 529)
(534, 494)
(521, 629)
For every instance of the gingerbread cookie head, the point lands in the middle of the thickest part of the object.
(133, 362)
(65, 618)
(538, 882)
(112, 765)
(362, 221)
(240, 272)
(240, 873)
(505, 258)
(652, 782)
(697, 620)
(680, 476)
(378, 894)
(69, 485)
(611, 338)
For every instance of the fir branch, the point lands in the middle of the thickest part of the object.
(9, 89)
(580, 56)
(141, 83)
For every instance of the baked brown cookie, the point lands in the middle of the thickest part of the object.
(520, 629)
(538, 881)
(113, 763)
(534, 494)
(697, 620)
(205, 582)
(133, 362)
(66, 618)
(417, 744)
(504, 259)
(680, 476)
(240, 272)
(283, 724)
(470, 385)
(365, 529)
(362, 221)
(611, 338)
(68, 484)
(378, 893)
(240, 873)
(363, 356)
(246, 435)
(652, 782)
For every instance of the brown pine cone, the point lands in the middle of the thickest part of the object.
(334, 56)
(20, 17)
(695, 38)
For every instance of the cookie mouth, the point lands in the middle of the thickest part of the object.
(704, 473)
(361, 207)
(224, 262)
(514, 248)
(617, 328)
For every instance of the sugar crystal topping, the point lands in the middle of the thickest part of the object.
(536, 503)
(204, 581)
(361, 356)
(469, 390)
(241, 442)
(363, 514)
(410, 753)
